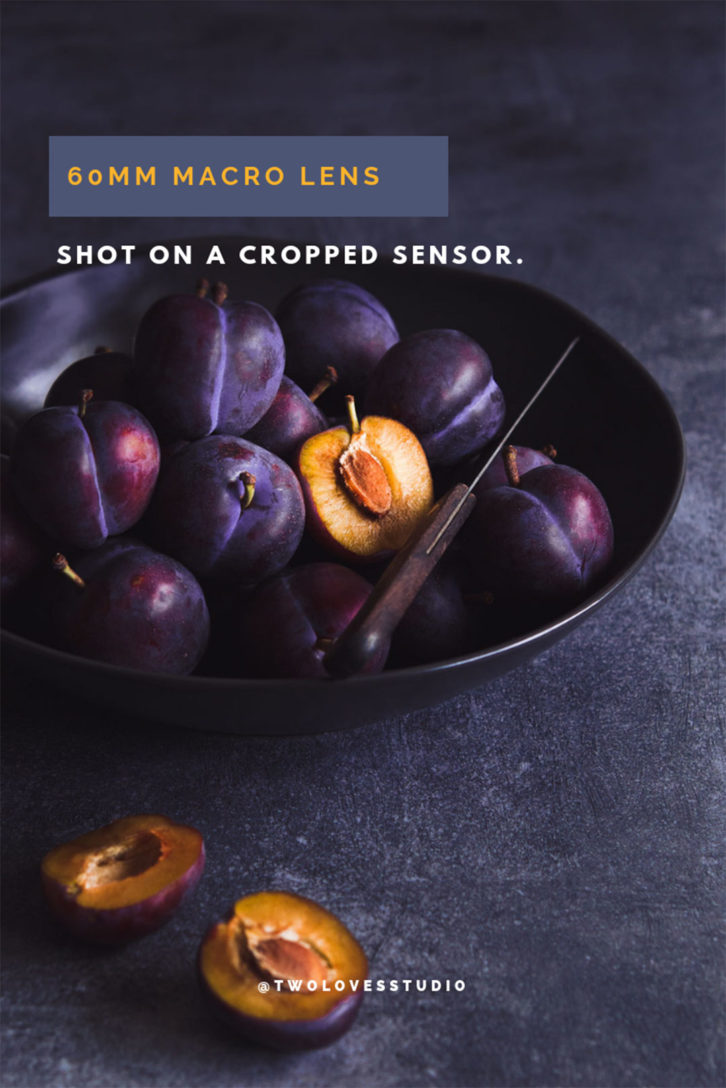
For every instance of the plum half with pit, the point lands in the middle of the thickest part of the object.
(366, 486)
(87, 472)
(283, 972)
(334, 323)
(124, 880)
(543, 539)
(128, 605)
(228, 510)
(440, 384)
(291, 621)
(204, 365)
(292, 417)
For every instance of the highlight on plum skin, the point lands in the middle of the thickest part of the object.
(125, 880)
(283, 972)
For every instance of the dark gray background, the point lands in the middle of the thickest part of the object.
(556, 838)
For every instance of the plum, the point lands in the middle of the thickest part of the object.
(85, 473)
(128, 605)
(439, 383)
(438, 624)
(542, 539)
(23, 547)
(124, 880)
(283, 972)
(204, 365)
(334, 323)
(291, 418)
(107, 373)
(366, 486)
(227, 509)
(291, 620)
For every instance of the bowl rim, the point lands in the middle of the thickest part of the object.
(201, 683)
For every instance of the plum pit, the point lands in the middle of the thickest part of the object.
(121, 860)
(276, 956)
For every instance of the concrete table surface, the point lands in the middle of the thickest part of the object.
(554, 839)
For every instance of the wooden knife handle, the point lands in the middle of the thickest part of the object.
(395, 590)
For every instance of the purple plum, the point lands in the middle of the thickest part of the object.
(437, 625)
(334, 323)
(204, 365)
(439, 383)
(85, 473)
(291, 418)
(544, 540)
(290, 621)
(227, 509)
(128, 605)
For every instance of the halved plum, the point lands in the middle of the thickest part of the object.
(123, 880)
(283, 971)
(366, 486)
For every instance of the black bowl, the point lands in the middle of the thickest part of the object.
(603, 411)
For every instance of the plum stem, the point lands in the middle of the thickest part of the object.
(549, 451)
(509, 453)
(352, 414)
(249, 482)
(86, 398)
(220, 291)
(102, 350)
(331, 377)
(323, 643)
(61, 564)
(202, 287)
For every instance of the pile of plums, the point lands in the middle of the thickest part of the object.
(215, 502)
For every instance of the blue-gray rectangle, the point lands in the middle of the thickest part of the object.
(248, 176)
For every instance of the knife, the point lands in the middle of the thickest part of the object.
(397, 587)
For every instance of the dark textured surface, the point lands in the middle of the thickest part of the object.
(556, 838)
